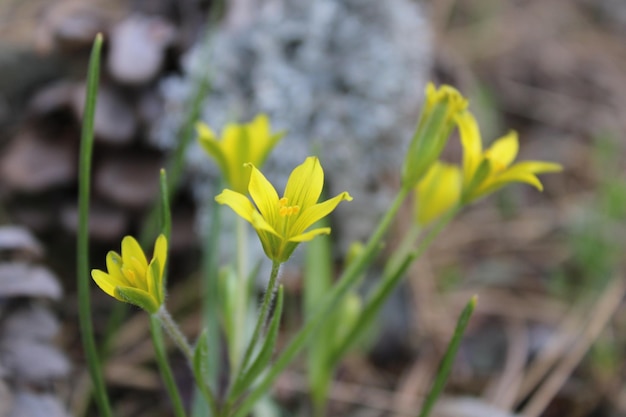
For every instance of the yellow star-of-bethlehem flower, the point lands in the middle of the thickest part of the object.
(437, 120)
(485, 172)
(130, 278)
(240, 144)
(282, 222)
(438, 192)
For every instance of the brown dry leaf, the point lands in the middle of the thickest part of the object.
(19, 238)
(19, 279)
(32, 361)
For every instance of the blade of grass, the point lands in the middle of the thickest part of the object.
(155, 325)
(164, 367)
(82, 244)
(448, 359)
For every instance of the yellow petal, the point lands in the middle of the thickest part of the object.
(260, 224)
(133, 254)
(264, 195)
(304, 237)
(214, 149)
(114, 265)
(106, 282)
(155, 281)
(472, 144)
(525, 172)
(503, 151)
(238, 202)
(305, 183)
(438, 192)
(312, 214)
(160, 253)
(259, 133)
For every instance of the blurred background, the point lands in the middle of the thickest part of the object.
(346, 79)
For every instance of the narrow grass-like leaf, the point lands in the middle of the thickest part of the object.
(265, 354)
(200, 358)
(82, 244)
(166, 372)
(448, 359)
(166, 213)
(155, 325)
(372, 308)
(317, 283)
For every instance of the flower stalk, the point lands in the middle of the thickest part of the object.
(174, 332)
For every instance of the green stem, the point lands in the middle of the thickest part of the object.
(448, 358)
(243, 296)
(348, 279)
(82, 244)
(394, 271)
(164, 367)
(174, 331)
(260, 323)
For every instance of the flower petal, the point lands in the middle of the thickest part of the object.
(264, 195)
(133, 255)
(438, 192)
(503, 151)
(114, 265)
(160, 252)
(522, 172)
(107, 283)
(305, 183)
(213, 147)
(155, 280)
(260, 224)
(238, 202)
(304, 237)
(472, 144)
(312, 214)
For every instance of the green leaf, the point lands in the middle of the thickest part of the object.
(372, 307)
(317, 283)
(82, 241)
(200, 365)
(446, 363)
(229, 293)
(265, 355)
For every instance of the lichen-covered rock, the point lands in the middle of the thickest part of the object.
(345, 79)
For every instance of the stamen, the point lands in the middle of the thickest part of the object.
(285, 210)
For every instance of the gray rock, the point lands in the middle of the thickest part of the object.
(345, 79)
(19, 279)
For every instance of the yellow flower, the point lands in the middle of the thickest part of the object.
(485, 172)
(438, 192)
(433, 130)
(131, 279)
(240, 144)
(282, 223)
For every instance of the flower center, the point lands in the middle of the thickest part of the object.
(285, 210)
